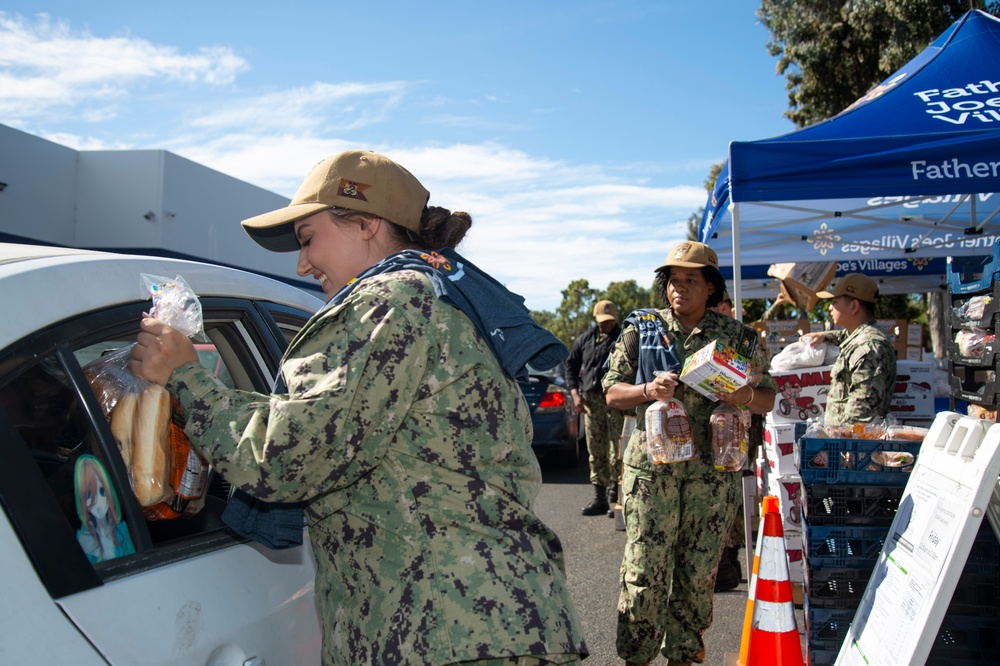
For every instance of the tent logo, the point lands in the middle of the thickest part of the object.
(824, 239)
(878, 90)
(920, 264)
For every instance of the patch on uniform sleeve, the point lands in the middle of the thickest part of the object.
(746, 345)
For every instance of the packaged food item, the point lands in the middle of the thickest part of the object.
(905, 433)
(973, 342)
(715, 368)
(729, 428)
(169, 478)
(982, 412)
(974, 308)
(668, 433)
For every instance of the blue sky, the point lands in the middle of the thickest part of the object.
(577, 133)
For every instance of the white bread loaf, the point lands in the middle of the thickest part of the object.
(123, 424)
(151, 447)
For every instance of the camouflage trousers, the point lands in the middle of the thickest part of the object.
(603, 429)
(677, 519)
(541, 660)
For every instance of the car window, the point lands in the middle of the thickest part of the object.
(63, 480)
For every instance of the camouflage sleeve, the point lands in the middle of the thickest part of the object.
(623, 362)
(834, 337)
(350, 381)
(761, 362)
(869, 382)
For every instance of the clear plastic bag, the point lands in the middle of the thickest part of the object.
(973, 342)
(974, 308)
(668, 433)
(175, 304)
(168, 476)
(729, 428)
(799, 354)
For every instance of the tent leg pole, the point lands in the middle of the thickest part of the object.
(737, 272)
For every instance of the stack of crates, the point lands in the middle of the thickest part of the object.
(975, 314)
(851, 490)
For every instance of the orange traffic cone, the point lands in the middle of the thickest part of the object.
(774, 637)
(768, 505)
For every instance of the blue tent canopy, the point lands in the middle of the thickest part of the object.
(908, 173)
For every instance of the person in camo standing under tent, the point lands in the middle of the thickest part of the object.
(585, 368)
(677, 515)
(864, 375)
(398, 423)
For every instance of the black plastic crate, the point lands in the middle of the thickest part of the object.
(871, 506)
(960, 639)
(976, 594)
(836, 588)
(984, 557)
(991, 350)
(973, 383)
(856, 461)
(971, 275)
(989, 312)
(843, 546)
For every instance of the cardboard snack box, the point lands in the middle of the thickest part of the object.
(715, 368)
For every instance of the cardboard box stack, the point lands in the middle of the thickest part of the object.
(781, 476)
(802, 393)
(800, 281)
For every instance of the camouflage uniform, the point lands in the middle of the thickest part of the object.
(411, 449)
(863, 376)
(604, 430)
(676, 516)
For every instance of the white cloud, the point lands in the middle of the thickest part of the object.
(539, 223)
(45, 66)
(334, 107)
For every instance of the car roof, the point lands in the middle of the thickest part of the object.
(42, 285)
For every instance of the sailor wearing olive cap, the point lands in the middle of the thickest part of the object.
(864, 374)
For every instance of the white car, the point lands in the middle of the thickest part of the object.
(181, 591)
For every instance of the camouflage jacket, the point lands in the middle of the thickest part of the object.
(624, 365)
(411, 449)
(863, 376)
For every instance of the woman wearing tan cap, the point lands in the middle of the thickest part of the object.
(397, 422)
(677, 515)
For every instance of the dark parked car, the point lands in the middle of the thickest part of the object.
(557, 428)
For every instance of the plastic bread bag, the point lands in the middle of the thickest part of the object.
(972, 342)
(168, 476)
(729, 427)
(668, 433)
(139, 415)
(799, 354)
(175, 304)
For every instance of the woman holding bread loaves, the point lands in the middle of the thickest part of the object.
(677, 515)
(398, 423)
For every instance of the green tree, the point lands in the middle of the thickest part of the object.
(832, 52)
(575, 313)
(628, 296)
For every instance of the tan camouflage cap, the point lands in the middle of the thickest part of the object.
(855, 285)
(605, 310)
(692, 254)
(356, 179)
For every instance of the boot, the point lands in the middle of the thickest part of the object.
(612, 498)
(728, 577)
(600, 503)
(734, 557)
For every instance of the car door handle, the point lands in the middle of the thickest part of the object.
(255, 661)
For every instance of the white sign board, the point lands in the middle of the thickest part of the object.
(938, 517)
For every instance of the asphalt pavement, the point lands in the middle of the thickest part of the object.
(593, 557)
